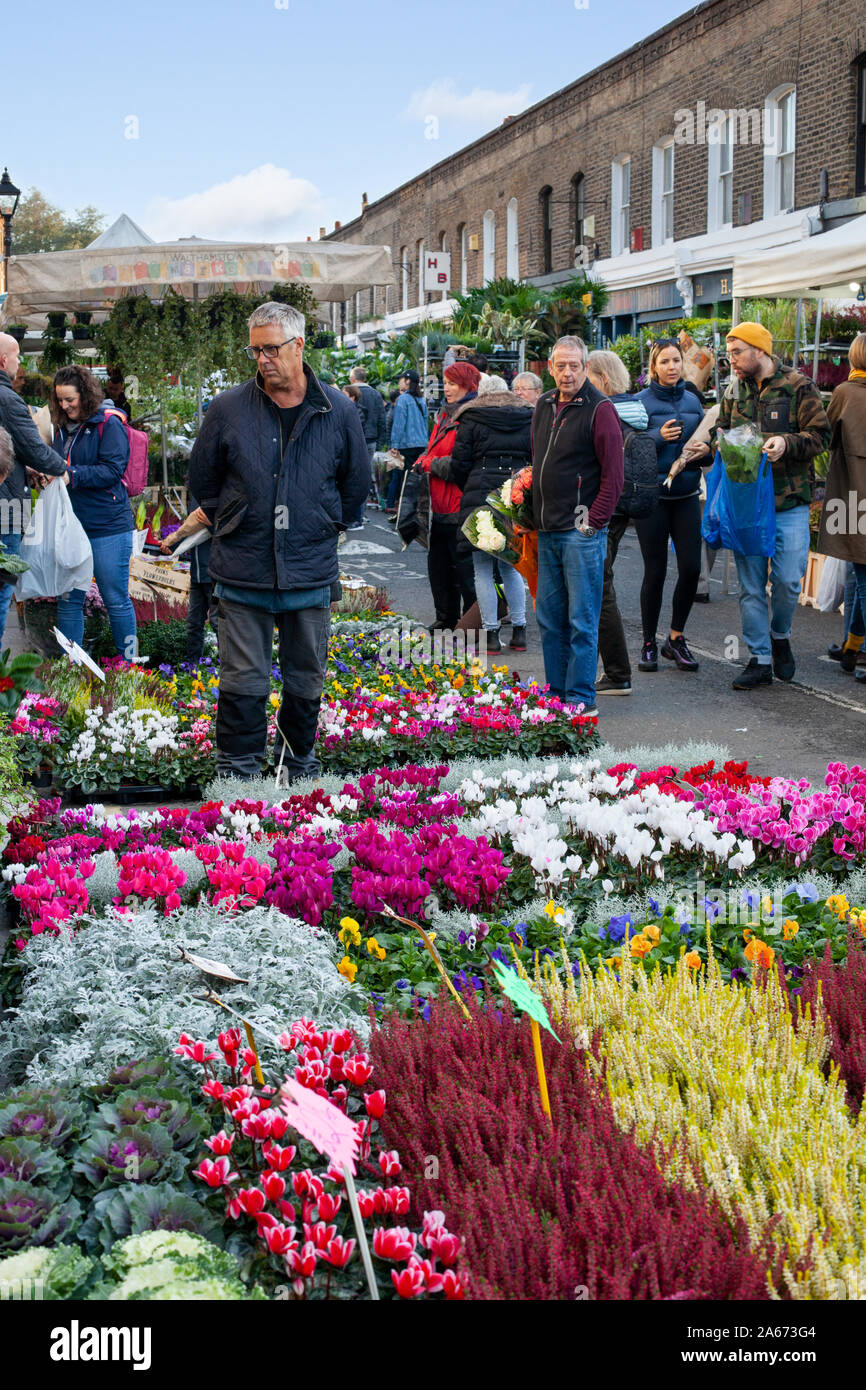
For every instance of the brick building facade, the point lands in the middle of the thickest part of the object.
(607, 163)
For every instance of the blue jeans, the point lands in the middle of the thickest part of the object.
(786, 569)
(111, 555)
(567, 606)
(485, 590)
(858, 607)
(12, 543)
(854, 620)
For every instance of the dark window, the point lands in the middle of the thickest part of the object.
(545, 199)
(578, 185)
(861, 126)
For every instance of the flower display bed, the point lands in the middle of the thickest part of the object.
(695, 933)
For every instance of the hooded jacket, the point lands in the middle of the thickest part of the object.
(665, 403)
(843, 526)
(276, 517)
(445, 497)
(494, 441)
(97, 462)
(30, 451)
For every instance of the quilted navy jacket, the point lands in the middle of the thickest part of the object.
(276, 519)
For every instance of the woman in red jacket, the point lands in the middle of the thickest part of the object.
(449, 565)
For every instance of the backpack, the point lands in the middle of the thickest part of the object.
(640, 491)
(135, 477)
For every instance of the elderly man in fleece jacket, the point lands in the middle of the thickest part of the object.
(577, 477)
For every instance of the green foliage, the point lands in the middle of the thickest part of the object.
(16, 676)
(629, 350)
(12, 789)
(196, 339)
(40, 226)
(171, 1265)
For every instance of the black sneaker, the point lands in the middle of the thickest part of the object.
(784, 664)
(755, 674)
(608, 687)
(493, 642)
(518, 639)
(649, 660)
(848, 659)
(834, 651)
(702, 598)
(675, 649)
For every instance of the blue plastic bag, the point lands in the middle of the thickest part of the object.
(742, 515)
(711, 529)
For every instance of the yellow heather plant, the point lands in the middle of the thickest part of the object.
(715, 1075)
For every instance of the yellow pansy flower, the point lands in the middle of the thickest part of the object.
(275, 699)
(651, 933)
(348, 969)
(790, 928)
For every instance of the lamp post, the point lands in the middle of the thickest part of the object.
(9, 196)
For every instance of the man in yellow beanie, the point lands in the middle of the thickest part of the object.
(786, 407)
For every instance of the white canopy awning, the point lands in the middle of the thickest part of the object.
(826, 264)
(95, 278)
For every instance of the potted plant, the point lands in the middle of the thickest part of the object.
(81, 328)
(18, 331)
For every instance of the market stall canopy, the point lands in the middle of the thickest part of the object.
(826, 264)
(95, 277)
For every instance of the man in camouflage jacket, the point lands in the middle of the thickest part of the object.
(786, 407)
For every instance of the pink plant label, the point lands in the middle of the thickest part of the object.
(317, 1119)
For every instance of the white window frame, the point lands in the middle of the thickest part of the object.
(620, 205)
(720, 177)
(662, 194)
(512, 245)
(779, 161)
(464, 258)
(422, 298)
(404, 277)
(489, 243)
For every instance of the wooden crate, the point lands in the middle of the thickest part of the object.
(811, 579)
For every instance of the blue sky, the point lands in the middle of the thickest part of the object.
(269, 118)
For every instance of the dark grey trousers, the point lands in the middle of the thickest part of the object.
(246, 637)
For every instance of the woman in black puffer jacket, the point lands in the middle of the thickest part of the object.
(493, 443)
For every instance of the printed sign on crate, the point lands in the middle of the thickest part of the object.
(149, 577)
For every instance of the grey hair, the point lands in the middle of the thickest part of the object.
(7, 456)
(612, 368)
(535, 383)
(570, 342)
(491, 385)
(291, 321)
(358, 374)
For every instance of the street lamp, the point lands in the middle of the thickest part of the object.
(9, 196)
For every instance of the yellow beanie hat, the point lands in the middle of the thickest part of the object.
(755, 334)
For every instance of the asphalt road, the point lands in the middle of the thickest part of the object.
(789, 730)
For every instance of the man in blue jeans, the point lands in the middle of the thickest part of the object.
(577, 478)
(786, 408)
(30, 453)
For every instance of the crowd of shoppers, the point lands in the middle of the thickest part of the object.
(286, 444)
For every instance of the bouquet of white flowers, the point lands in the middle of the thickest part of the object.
(492, 533)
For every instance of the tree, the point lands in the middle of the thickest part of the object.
(40, 226)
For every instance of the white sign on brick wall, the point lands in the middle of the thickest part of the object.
(437, 271)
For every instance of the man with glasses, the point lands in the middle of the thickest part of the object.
(577, 477)
(786, 407)
(280, 468)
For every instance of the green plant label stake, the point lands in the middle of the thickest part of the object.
(524, 997)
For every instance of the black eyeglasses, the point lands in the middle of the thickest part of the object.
(269, 350)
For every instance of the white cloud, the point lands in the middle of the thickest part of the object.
(481, 106)
(267, 204)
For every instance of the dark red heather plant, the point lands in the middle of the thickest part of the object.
(843, 993)
(546, 1211)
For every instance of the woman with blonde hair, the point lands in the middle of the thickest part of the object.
(608, 374)
(674, 414)
(843, 527)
